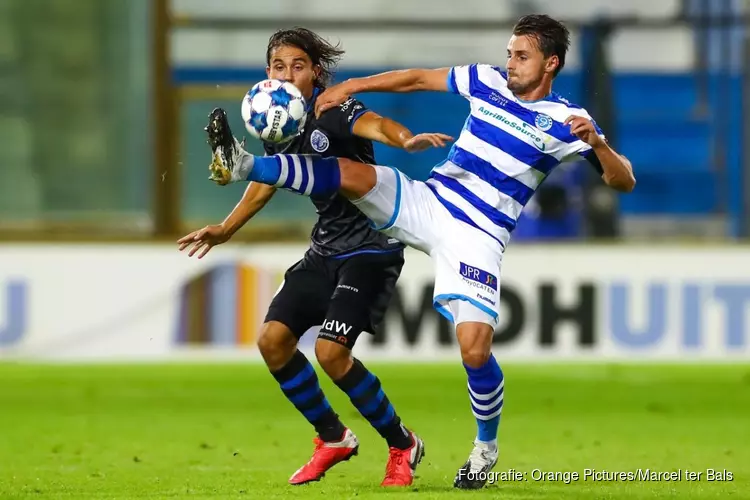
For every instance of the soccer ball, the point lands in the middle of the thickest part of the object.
(274, 111)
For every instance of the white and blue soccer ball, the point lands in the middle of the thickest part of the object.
(274, 111)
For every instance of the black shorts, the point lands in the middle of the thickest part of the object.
(344, 296)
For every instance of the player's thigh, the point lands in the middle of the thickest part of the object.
(467, 276)
(366, 284)
(402, 208)
(302, 299)
(357, 179)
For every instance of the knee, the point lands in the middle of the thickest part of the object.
(334, 358)
(276, 344)
(357, 179)
(475, 340)
(475, 357)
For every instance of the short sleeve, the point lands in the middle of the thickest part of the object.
(587, 153)
(340, 120)
(593, 160)
(585, 149)
(459, 79)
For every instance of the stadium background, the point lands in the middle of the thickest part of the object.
(104, 167)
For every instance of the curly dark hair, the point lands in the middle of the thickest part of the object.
(552, 37)
(320, 51)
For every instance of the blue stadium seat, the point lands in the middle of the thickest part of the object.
(661, 126)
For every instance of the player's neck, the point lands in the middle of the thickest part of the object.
(311, 95)
(536, 94)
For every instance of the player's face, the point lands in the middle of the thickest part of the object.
(526, 64)
(293, 65)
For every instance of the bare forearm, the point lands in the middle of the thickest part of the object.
(407, 80)
(255, 198)
(618, 172)
(393, 134)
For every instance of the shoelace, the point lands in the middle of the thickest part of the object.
(478, 458)
(319, 443)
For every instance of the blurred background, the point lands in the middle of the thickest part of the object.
(103, 105)
(102, 145)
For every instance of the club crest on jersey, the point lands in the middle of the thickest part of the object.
(319, 141)
(543, 122)
(479, 276)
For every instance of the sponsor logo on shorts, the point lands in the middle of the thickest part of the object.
(486, 299)
(338, 327)
(476, 275)
(339, 339)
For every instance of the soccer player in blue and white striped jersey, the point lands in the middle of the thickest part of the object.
(517, 132)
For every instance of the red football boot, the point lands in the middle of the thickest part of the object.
(399, 471)
(325, 456)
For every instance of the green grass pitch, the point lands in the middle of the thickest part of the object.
(225, 431)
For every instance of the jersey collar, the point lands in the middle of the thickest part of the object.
(311, 104)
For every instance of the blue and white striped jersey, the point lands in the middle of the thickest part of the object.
(506, 149)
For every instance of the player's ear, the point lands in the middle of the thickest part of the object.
(552, 63)
(268, 71)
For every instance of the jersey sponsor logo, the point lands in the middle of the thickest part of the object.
(500, 100)
(336, 326)
(526, 129)
(345, 105)
(348, 287)
(543, 122)
(480, 276)
(319, 141)
(354, 112)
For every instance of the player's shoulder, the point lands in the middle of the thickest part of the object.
(558, 108)
(339, 119)
(479, 69)
(351, 104)
(556, 98)
(477, 78)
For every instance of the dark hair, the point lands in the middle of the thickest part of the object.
(320, 52)
(552, 37)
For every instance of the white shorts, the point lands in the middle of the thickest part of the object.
(467, 261)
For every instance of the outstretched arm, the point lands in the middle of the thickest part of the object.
(391, 133)
(256, 197)
(407, 80)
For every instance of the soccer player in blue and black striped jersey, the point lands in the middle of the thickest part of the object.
(344, 282)
(516, 133)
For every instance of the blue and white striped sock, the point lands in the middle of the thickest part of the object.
(486, 395)
(308, 175)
